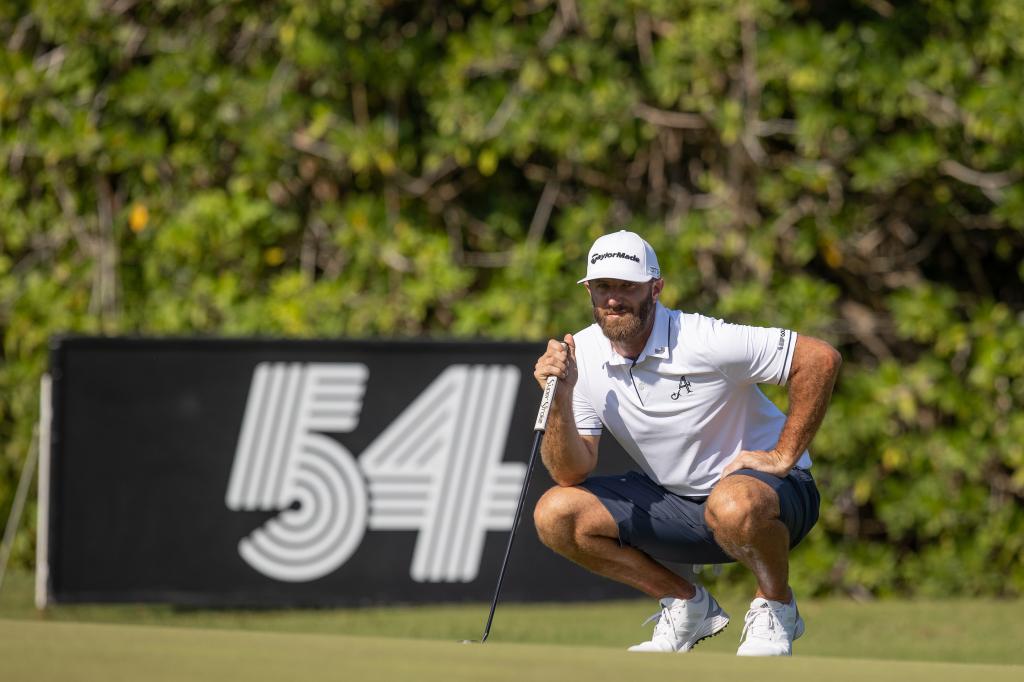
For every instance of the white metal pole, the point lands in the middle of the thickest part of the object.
(43, 494)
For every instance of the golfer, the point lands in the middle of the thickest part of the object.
(723, 475)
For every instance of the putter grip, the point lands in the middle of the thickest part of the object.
(545, 402)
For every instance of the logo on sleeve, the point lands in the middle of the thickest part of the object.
(782, 339)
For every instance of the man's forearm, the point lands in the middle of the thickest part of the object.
(809, 393)
(565, 454)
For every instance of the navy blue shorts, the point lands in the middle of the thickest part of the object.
(671, 528)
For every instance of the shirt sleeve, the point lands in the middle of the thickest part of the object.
(753, 355)
(588, 423)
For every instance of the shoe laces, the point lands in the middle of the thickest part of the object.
(665, 625)
(763, 623)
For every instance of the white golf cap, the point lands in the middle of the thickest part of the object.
(622, 255)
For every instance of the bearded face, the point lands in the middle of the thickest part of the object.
(626, 320)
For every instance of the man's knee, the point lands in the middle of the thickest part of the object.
(555, 516)
(563, 515)
(740, 504)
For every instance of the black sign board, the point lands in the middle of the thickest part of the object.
(297, 473)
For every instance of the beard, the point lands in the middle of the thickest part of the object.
(628, 323)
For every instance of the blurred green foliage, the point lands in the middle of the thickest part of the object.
(385, 168)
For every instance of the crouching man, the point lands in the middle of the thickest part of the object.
(723, 473)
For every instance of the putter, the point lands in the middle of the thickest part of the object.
(539, 426)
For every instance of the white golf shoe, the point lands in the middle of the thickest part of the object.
(682, 623)
(770, 628)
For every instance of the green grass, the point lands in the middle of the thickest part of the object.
(34, 651)
(961, 631)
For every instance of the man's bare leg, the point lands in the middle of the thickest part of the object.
(743, 513)
(574, 523)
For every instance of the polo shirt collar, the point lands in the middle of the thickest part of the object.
(658, 343)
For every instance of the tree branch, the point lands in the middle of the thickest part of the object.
(669, 119)
(565, 17)
(883, 7)
(981, 179)
(778, 126)
(940, 110)
(644, 44)
(542, 214)
(751, 87)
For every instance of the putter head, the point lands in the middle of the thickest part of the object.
(469, 641)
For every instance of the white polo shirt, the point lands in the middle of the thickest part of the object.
(690, 401)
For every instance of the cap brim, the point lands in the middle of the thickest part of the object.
(624, 279)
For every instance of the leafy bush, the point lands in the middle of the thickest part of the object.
(327, 168)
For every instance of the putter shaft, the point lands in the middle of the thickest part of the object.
(539, 427)
(512, 536)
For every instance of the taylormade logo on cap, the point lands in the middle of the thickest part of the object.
(622, 255)
(601, 256)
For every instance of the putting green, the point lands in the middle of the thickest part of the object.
(33, 651)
